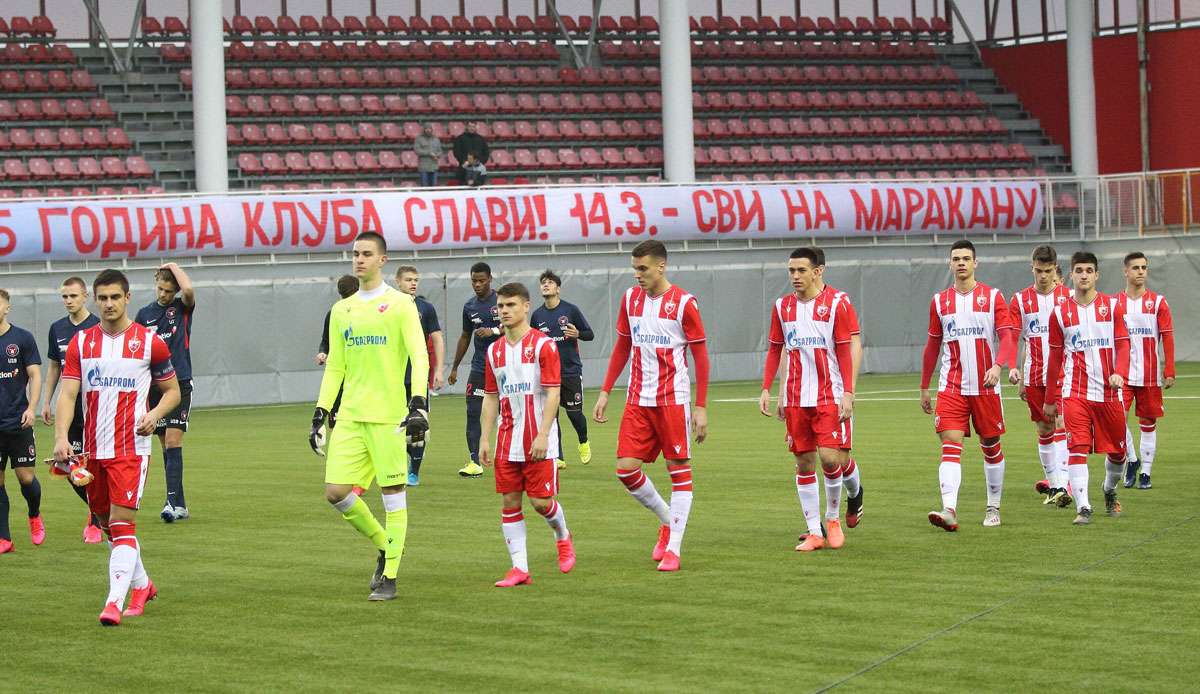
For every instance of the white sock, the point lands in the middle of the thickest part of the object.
(557, 520)
(1048, 457)
(851, 480)
(833, 495)
(810, 500)
(1149, 447)
(1113, 470)
(1130, 448)
(513, 526)
(1062, 455)
(646, 494)
(994, 474)
(1078, 473)
(950, 476)
(140, 578)
(121, 563)
(681, 507)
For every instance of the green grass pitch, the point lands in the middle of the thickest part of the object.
(264, 589)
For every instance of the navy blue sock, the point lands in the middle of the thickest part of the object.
(474, 428)
(33, 496)
(173, 465)
(580, 423)
(5, 534)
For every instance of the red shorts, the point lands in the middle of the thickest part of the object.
(537, 478)
(1035, 397)
(955, 411)
(116, 482)
(1098, 425)
(1149, 400)
(647, 431)
(811, 427)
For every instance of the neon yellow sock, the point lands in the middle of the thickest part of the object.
(364, 521)
(397, 530)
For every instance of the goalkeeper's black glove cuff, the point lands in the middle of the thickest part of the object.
(417, 402)
(319, 416)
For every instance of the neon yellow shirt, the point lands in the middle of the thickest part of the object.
(370, 344)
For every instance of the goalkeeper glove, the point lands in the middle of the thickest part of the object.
(416, 424)
(316, 437)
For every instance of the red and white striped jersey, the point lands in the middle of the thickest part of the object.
(114, 374)
(520, 374)
(969, 326)
(1030, 311)
(660, 329)
(1147, 318)
(809, 331)
(1088, 336)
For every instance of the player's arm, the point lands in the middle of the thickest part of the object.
(187, 292)
(1006, 336)
(843, 324)
(579, 325)
(413, 337)
(616, 364)
(64, 412)
(52, 373)
(1015, 318)
(771, 364)
(489, 413)
(551, 377)
(439, 358)
(323, 345)
(1054, 367)
(331, 385)
(464, 341)
(933, 348)
(34, 373)
(1121, 345)
(1166, 329)
(693, 330)
(163, 375)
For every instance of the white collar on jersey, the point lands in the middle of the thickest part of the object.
(369, 294)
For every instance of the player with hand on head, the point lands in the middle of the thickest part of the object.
(564, 323)
(1148, 318)
(1030, 313)
(19, 392)
(375, 333)
(1089, 360)
(814, 326)
(170, 317)
(408, 278)
(111, 366)
(970, 327)
(480, 326)
(74, 297)
(521, 387)
(656, 323)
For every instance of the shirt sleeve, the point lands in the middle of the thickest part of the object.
(32, 355)
(467, 327)
(161, 368)
(775, 331)
(1014, 312)
(852, 319)
(429, 319)
(550, 365)
(71, 368)
(935, 321)
(693, 329)
(1165, 325)
(623, 316)
(1003, 314)
(335, 365)
(53, 352)
(841, 323)
(582, 324)
(489, 377)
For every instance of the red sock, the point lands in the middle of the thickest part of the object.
(681, 477)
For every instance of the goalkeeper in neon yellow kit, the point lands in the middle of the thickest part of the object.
(373, 336)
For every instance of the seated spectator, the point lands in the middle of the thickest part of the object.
(429, 155)
(470, 142)
(474, 172)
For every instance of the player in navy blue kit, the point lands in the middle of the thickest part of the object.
(481, 321)
(20, 388)
(74, 297)
(564, 323)
(408, 278)
(170, 317)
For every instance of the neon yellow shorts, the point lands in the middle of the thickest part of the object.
(360, 451)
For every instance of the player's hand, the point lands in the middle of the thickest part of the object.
(453, 377)
(147, 424)
(1116, 382)
(1050, 412)
(700, 423)
(1021, 392)
(570, 331)
(598, 414)
(764, 403)
(846, 409)
(540, 444)
(439, 380)
(485, 452)
(484, 332)
(779, 413)
(321, 358)
(28, 417)
(416, 424)
(926, 401)
(316, 435)
(1014, 376)
(48, 416)
(992, 376)
(62, 450)
(1168, 382)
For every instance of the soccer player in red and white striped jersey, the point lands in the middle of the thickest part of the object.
(1148, 318)
(657, 323)
(971, 328)
(811, 331)
(1030, 309)
(522, 377)
(1089, 360)
(112, 366)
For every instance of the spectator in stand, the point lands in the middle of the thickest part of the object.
(429, 156)
(470, 142)
(474, 172)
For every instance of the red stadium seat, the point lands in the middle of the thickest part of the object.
(89, 167)
(242, 25)
(113, 167)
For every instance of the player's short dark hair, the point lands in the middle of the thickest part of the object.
(75, 279)
(373, 236)
(812, 254)
(654, 249)
(1083, 258)
(166, 275)
(1045, 254)
(4, 294)
(111, 276)
(514, 289)
(481, 267)
(1058, 270)
(963, 243)
(550, 275)
(1136, 255)
(347, 285)
(407, 268)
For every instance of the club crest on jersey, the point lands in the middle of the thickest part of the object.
(822, 310)
(13, 350)
(1149, 304)
(1102, 310)
(383, 307)
(171, 312)
(669, 308)
(495, 313)
(528, 351)
(1062, 299)
(135, 345)
(981, 300)
(562, 320)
